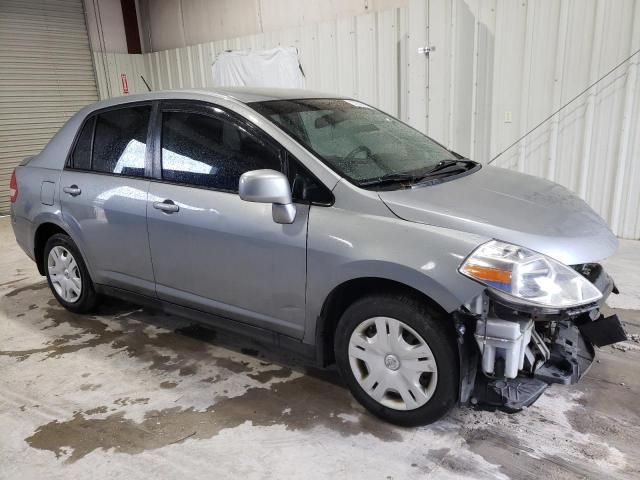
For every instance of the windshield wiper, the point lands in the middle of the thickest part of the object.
(448, 166)
(391, 178)
(445, 164)
(442, 167)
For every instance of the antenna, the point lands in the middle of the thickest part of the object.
(145, 82)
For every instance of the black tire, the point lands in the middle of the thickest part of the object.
(431, 325)
(88, 298)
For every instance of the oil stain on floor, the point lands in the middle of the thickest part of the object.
(300, 404)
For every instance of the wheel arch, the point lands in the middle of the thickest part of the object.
(44, 231)
(348, 292)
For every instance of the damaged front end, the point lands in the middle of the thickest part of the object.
(512, 349)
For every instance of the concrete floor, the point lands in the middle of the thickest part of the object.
(128, 393)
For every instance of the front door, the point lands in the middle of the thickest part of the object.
(211, 250)
(103, 195)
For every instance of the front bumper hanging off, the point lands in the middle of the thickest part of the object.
(510, 354)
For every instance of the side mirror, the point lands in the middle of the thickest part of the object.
(269, 186)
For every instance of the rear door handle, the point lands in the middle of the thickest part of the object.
(73, 190)
(167, 206)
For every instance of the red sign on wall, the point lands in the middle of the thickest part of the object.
(125, 84)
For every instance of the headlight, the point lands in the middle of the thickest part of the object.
(528, 275)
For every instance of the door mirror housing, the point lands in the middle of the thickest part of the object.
(269, 186)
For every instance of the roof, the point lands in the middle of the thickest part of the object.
(61, 142)
(239, 94)
(252, 94)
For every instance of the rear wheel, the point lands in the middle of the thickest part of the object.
(67, 275)
(398, 359)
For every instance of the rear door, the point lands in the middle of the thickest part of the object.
(104, 196)
(211, 250)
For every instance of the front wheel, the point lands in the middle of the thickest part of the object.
(398, 358)
(67, 275)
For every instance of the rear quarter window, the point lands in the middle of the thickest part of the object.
(81, 156)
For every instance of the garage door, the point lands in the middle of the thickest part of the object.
(46, 75)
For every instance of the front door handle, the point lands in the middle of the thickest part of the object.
(73, 190)
(167, 206)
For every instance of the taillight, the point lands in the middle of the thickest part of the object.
(13, 187)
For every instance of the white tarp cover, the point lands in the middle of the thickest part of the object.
(277, 67)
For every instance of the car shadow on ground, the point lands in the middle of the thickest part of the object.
(200, 332)
(123, 312)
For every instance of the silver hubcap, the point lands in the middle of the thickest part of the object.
(64, 274)
(392, 363)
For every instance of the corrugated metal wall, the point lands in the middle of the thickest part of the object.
(498, 68)
(109, 69)
(46, 76)
(501, 67)
(357, 56)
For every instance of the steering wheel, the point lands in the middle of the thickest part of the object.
(357, 150)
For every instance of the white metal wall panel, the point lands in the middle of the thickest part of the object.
(345, 60)
(358, 56)
(499, 67)
(110, 83)
(416, 83)
(327, 71)
(46, 75)
(386, 33)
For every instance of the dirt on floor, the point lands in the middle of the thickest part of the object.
(133, 393)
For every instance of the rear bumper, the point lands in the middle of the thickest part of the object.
(23, 231)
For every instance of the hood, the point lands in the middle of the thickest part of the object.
(512, 207)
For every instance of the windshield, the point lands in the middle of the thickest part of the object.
(361, 143)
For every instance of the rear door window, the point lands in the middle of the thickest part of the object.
(209, 151)
(120, 141)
